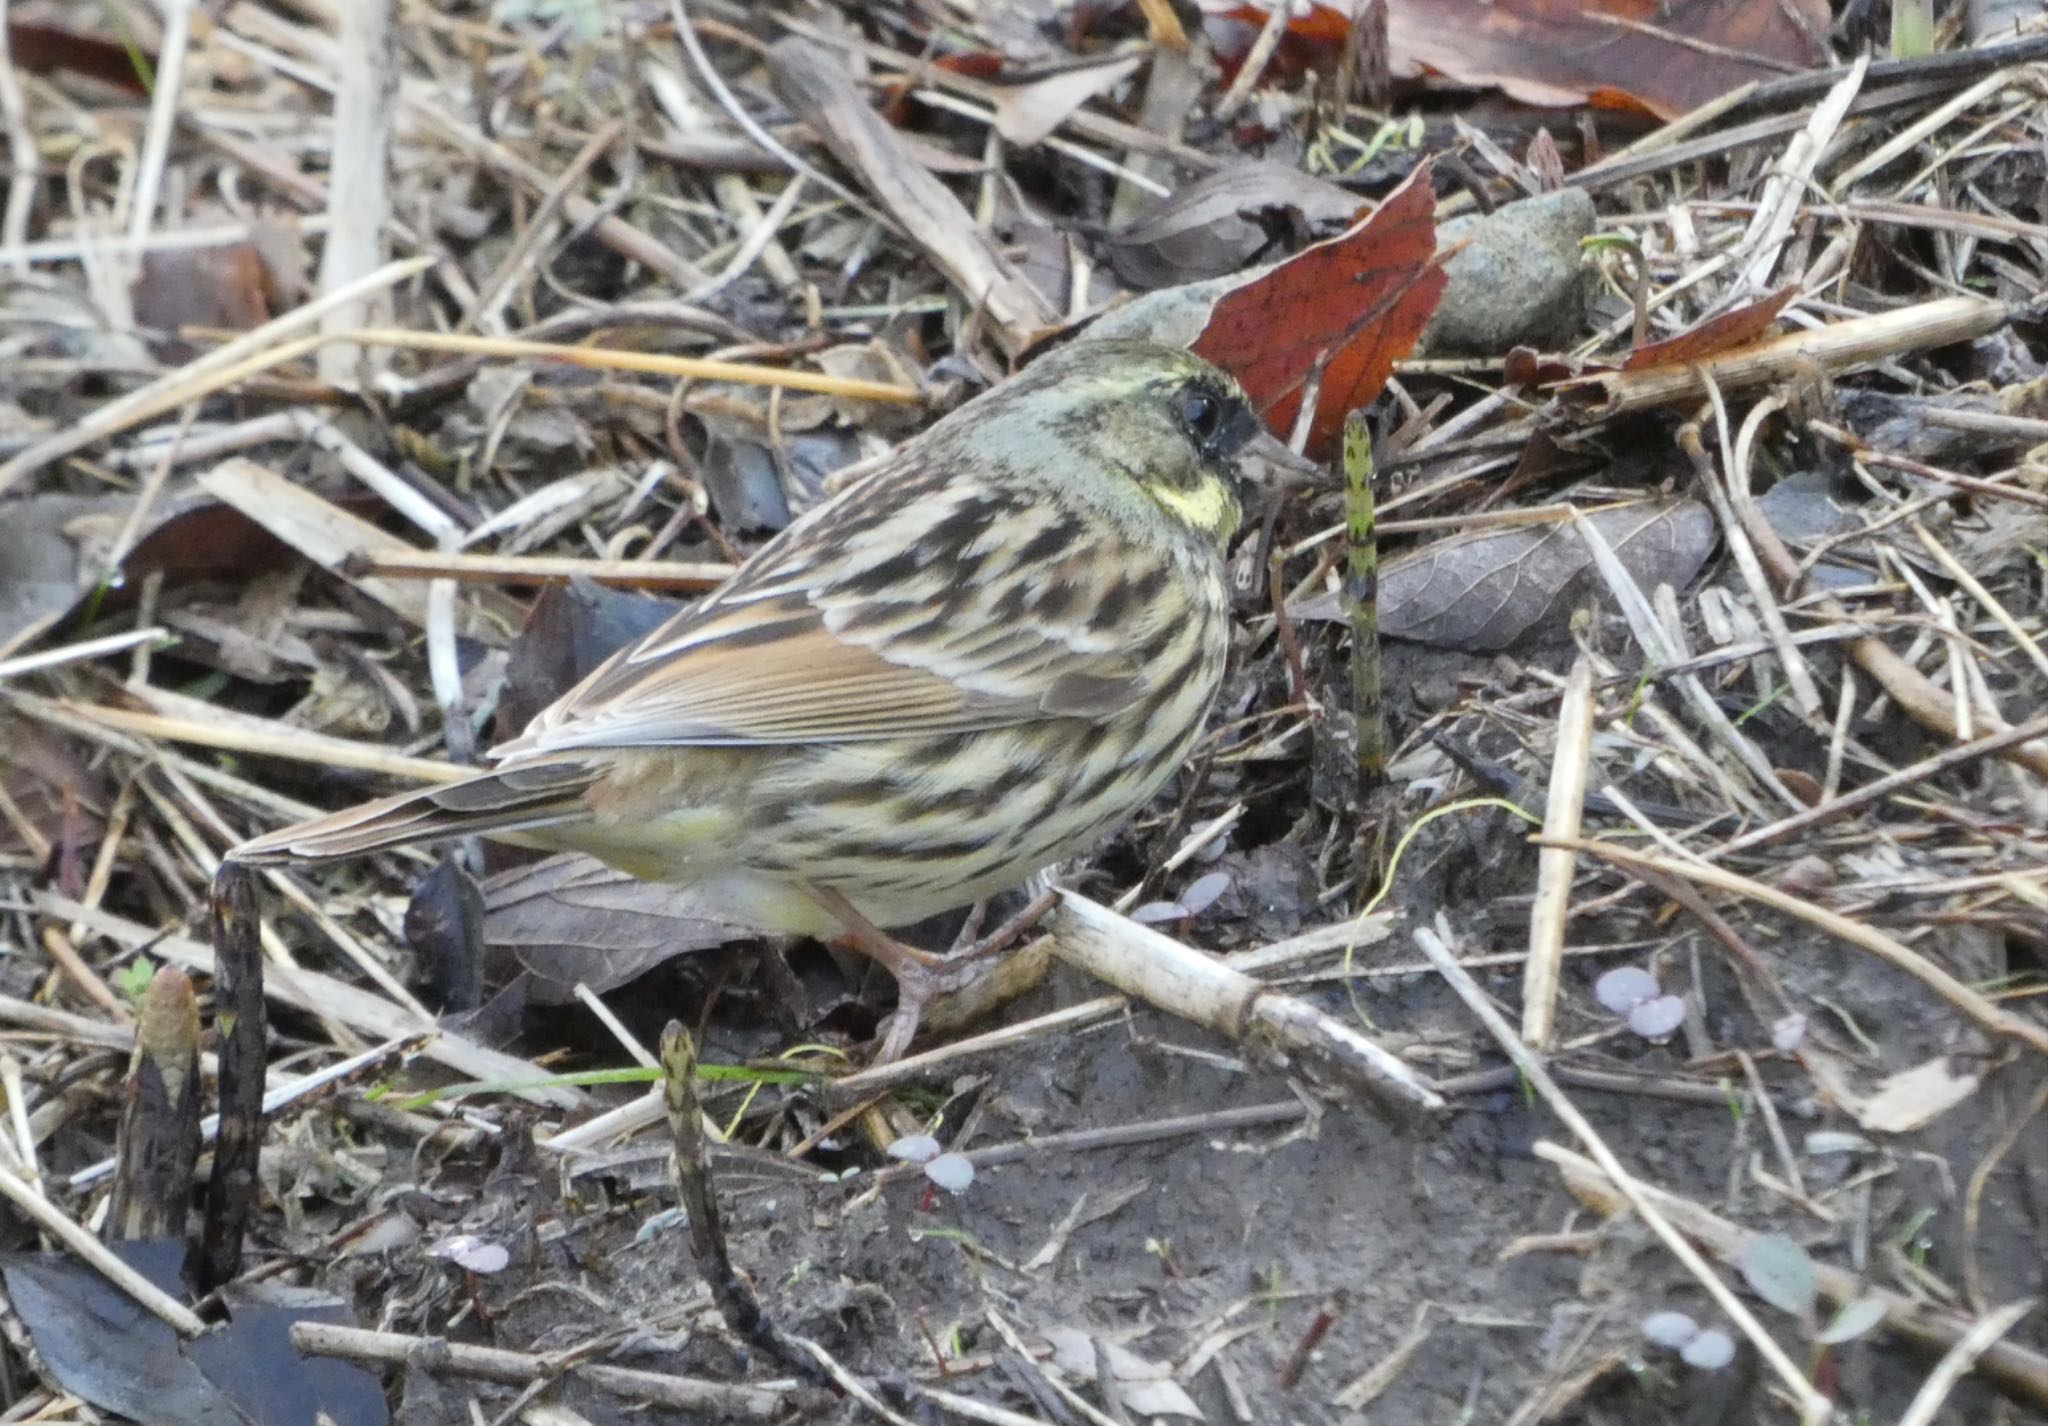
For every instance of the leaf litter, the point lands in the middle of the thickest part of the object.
(1729, 394)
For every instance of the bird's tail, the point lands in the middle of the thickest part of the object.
(519, 798)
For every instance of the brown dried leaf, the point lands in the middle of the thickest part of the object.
(573, 918)
(1027, 113)
(1667, 59)
(1737, 328)
(55, 802)
(1484, 591)
(46, 49)
(226, 287)
(1621, 54)
(571, 629)
(1224, 221)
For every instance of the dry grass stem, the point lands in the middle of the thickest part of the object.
(1970, 1002)
(1565, 803)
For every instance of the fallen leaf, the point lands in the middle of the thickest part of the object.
(1143, 1386)
(1779, 1271)
(1738, 328)
(1912, 1099)
(1666, 59)
(1483, 591)
(1224, 221)
(444, 927)
(47, 49)
(222, 287)
(1313, 37)
(105, 1349)
(571, 629)
(1027, 113)
(573, 918)
(54, 550)
(54, 795)
(1352, 306)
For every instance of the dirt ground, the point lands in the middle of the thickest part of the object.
(1458, 1280)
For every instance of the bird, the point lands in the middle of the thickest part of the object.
(973, 661)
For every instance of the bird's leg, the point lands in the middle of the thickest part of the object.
(920, 975)
(970, 928)
(966, 950)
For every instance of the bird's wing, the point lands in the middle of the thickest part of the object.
(942, 610)
(506, 800)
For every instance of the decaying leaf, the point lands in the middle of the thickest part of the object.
(1666, 59)
(226, 286)
(1912, 1099)
(1027, 113)
(106, 1350)
(1145, 1387)
(444, 924)
(55, 802)
(1617, 54)
(1312, 37)
(1349, 308)
(573, 918)
(1483, 591)
(1716, 335)
(1223, 221)
(571, 629)
(47, 49)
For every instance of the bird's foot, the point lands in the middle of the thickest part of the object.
(921, 976)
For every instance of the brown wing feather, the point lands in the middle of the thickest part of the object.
(518, 798)
(806, 644)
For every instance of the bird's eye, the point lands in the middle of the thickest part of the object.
(1202, 414)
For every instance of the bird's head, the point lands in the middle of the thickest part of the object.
(1155, 435)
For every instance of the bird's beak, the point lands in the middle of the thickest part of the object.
(1268, 463)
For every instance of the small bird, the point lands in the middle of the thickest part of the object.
(970, 663)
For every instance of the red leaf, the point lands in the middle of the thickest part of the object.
(1526, 367)
(1737, 328)
(1311, 39)
(1666, 56)
(226, 286)
(46, 49)
(975, 64)
(1355, 304)
(1663, 56)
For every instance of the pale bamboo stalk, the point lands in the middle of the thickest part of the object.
(359, 188)
(1555, 865)
(539, 569)
(1839, 347)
